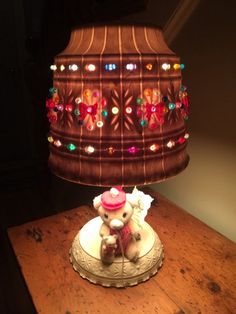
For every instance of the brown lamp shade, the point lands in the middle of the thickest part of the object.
(118, 108)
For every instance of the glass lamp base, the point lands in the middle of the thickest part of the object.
(85, 258)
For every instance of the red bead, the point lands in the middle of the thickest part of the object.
(181, 140)
(69, 108)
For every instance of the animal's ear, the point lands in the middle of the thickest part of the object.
(97, 201)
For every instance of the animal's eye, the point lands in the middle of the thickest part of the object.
(106, 216)
(124, 215)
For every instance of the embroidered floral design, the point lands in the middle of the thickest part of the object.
(91, 109)
(152, 109)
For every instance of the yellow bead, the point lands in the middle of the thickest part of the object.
(149, 66)
(176, 66)
(87, 93)
(147, 92)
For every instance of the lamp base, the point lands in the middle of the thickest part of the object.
(85, 258)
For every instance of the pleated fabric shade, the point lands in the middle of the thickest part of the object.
(117, 108)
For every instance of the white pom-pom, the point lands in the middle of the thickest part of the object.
(114, 192)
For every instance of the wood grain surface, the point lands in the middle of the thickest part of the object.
(198, 274)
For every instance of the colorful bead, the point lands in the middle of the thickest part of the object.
(147, 92)
(176, 66)
(153, 108)
(90, 127)
(183, 88)
(60, 107)
(133, 150)
(99, 124)
(170, 144)
(178, 105)
(69, 108)
(186, 136)
(165, 66)
(62, 67)
(128, 110)
(89, 149)
(171, 106)
(110, 66)
(50, 139)
(53, 67)
(131, 66)
(104, 113)
(139, 101)
(165, 98)
(149, 66)
(52, 90)
(181, 140)
(182, 66)
(90, 67)
(50, 103)
(95, 93)
(57, 143)
(77, 112)
(87, 93)
(154, 147)
(143, 123)
(103, 102)
(71, 147)
(78, 100)
(73, 67)
(110, 150)
(115, 110)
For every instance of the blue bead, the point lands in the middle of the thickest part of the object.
(110, 66)
(182, 66)
(164, 98)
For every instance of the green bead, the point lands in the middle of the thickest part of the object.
(139, 101)
(104, 113)
(171, 106)
(77, 112)
(71, 147)
(182, 66)
(52, 90)
(143, 122)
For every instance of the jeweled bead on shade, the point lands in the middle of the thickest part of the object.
(123, 121)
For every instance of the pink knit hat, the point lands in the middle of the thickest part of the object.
(113, 199)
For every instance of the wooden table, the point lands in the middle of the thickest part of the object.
(198, 274)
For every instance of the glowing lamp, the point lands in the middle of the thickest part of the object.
(127, 121)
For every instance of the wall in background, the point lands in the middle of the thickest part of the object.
(207, 46)
(207, 188)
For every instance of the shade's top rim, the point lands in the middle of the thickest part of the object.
(118, 24)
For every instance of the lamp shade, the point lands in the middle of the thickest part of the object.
(117, 108)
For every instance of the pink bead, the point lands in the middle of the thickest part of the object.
(133, 150)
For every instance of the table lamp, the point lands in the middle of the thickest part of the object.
(117, 110)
